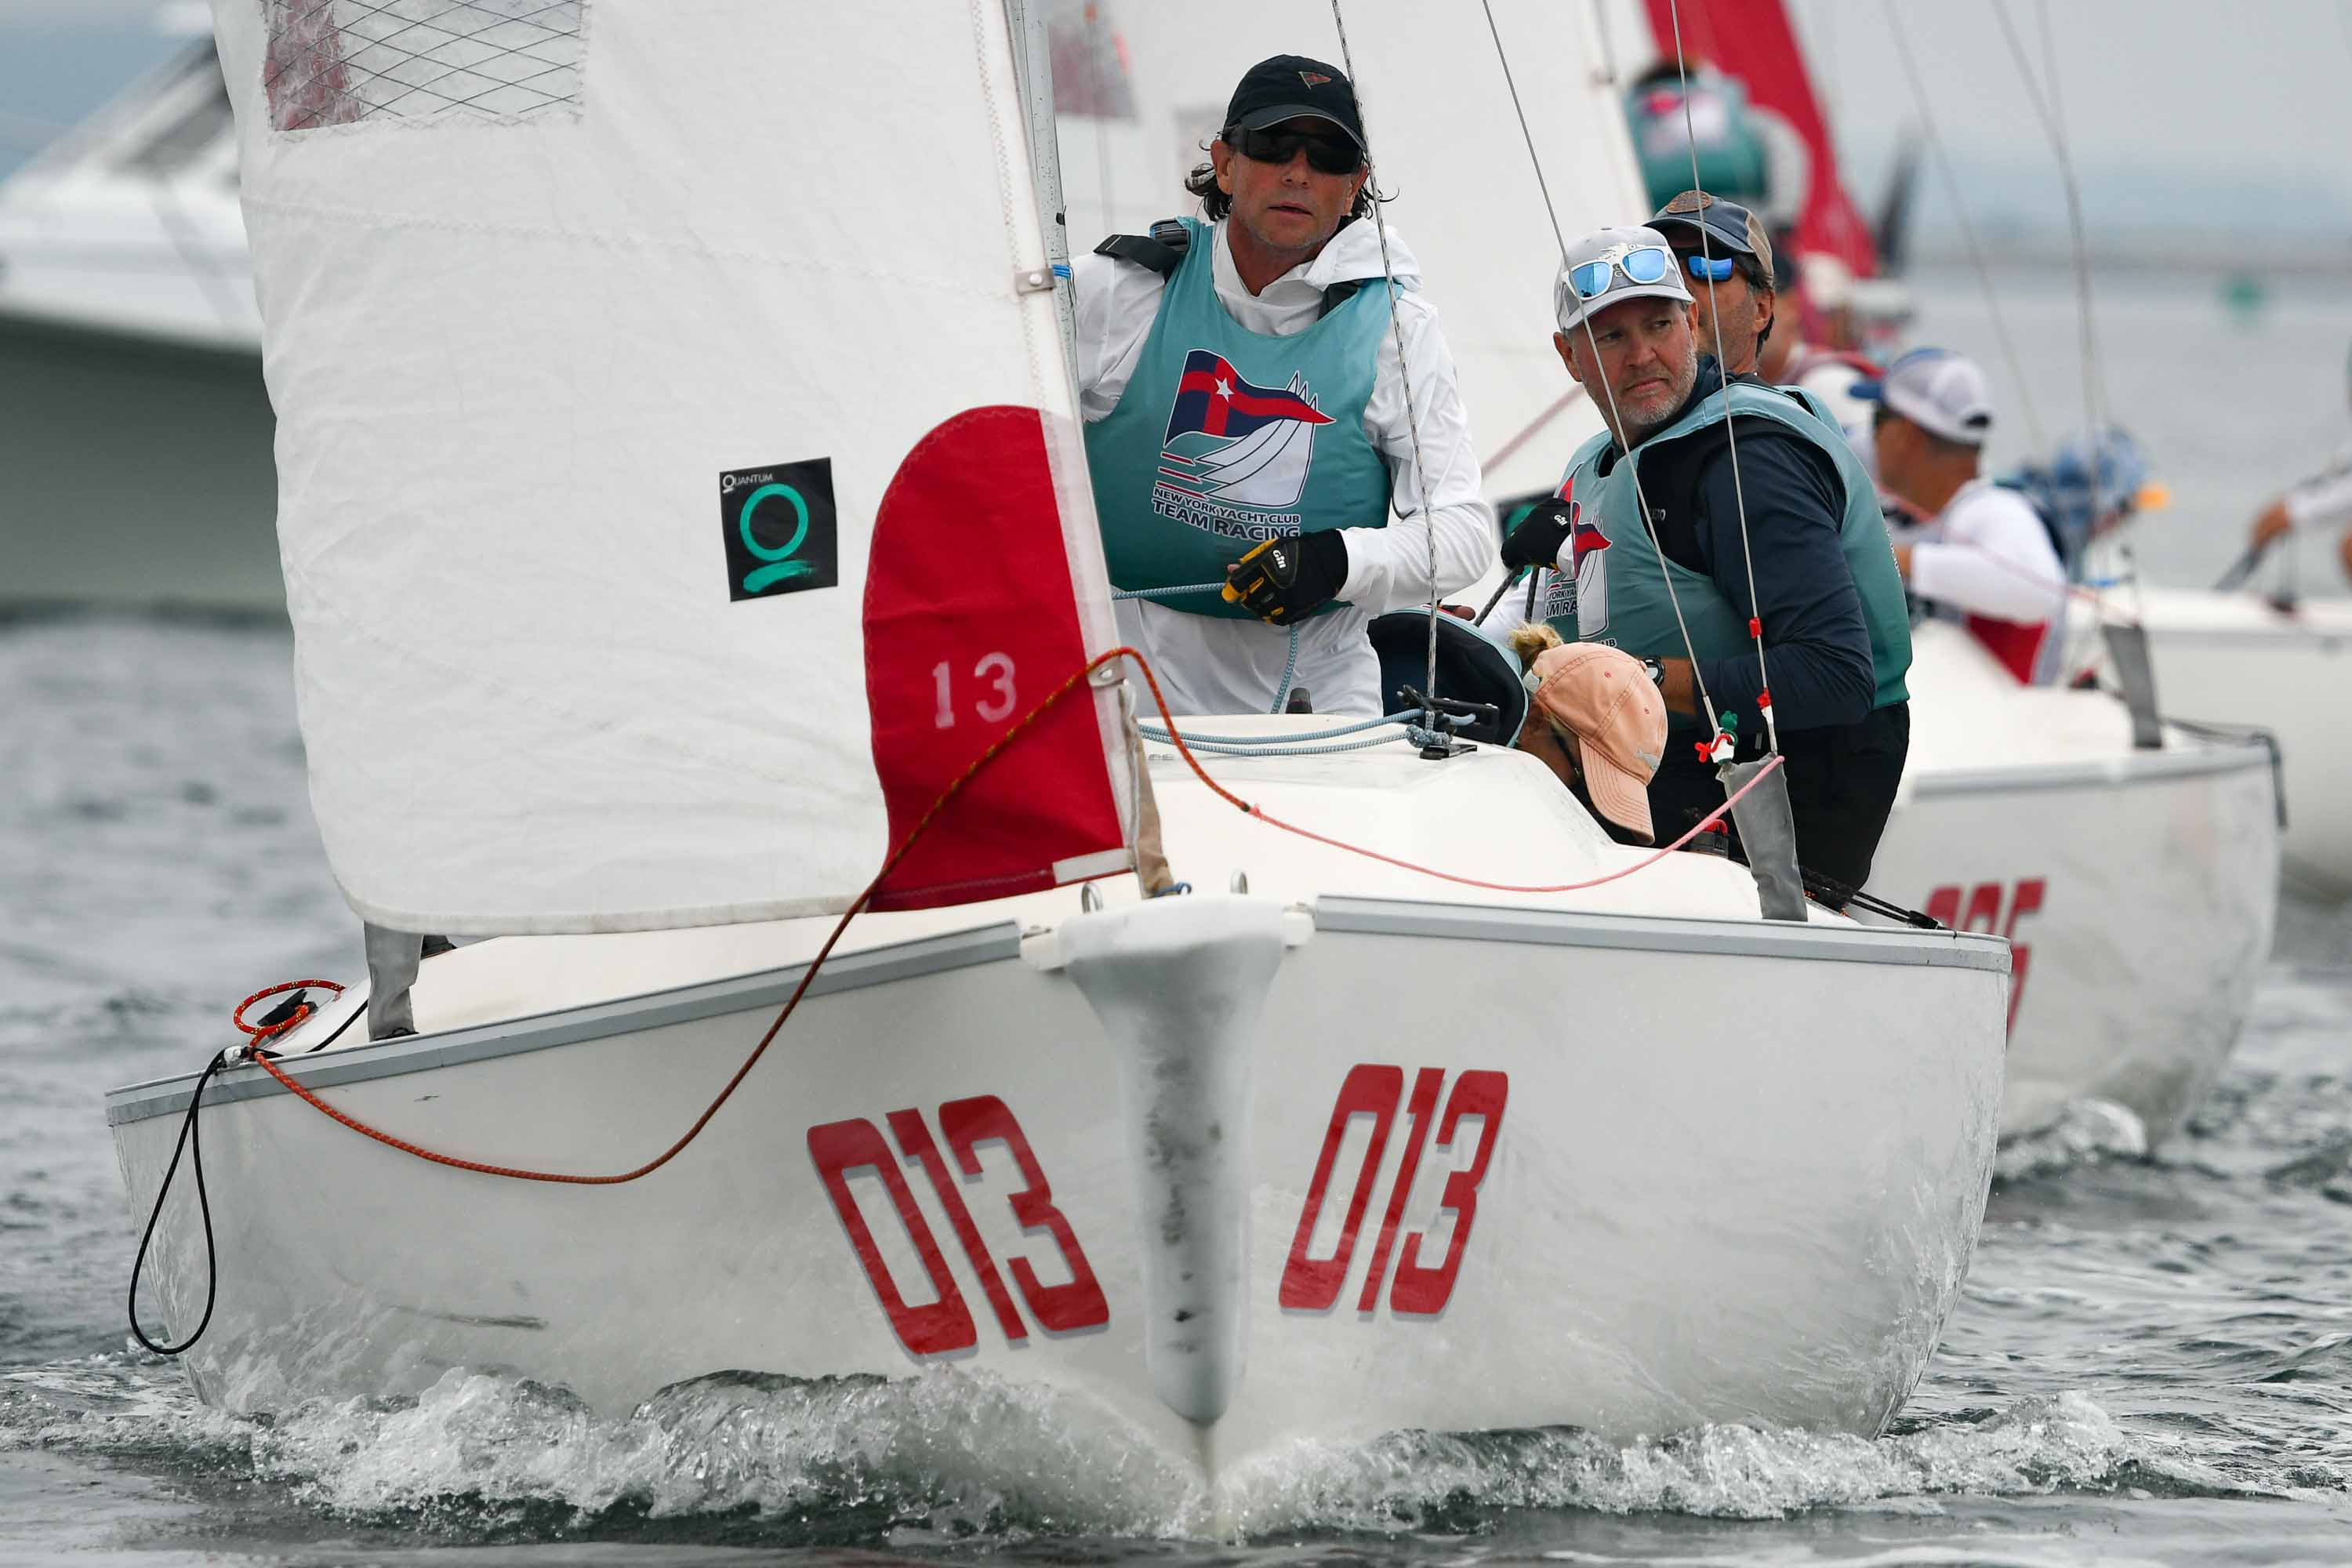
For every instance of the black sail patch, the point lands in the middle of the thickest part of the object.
(778, 525)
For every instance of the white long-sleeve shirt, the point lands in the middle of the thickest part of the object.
(1987, 554)
(2324, 498)
(1210, 665)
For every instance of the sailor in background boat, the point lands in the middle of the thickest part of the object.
(2321, 500)
(1836, 635)
(1246, 419)
(1979, 552)
(1824, 361)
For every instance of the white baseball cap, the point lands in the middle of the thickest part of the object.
(1939, 390)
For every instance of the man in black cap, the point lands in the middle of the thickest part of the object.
(1244, 390)
(1727, 258)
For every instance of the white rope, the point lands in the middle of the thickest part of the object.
(1967, 229)
(1707, 715)
(1396, 336)
(1723, 369)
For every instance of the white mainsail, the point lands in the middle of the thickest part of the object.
(556, 298)
(1447, 145)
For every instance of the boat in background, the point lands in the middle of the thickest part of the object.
(2138, 886)
(2242, 660)
(631, 650)
(134, 428)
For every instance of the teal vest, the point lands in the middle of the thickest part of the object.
(1225, 438)
(1618, 594)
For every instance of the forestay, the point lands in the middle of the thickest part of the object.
(596, 333)
(1438, 112)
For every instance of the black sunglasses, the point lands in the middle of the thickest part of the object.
(1325, 154)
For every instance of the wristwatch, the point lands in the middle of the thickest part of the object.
(1657, 673)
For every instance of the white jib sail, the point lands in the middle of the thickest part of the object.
(549, 291)
(1448, 144)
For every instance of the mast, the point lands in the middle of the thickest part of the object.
(1032, 61)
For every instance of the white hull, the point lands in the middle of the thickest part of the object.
(2232, 659)
(2139, 889)
(1736, 1175)
(138, 472)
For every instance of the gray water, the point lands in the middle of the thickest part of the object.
(2152, 1361)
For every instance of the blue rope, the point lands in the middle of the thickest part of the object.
(1216, 587)
(1154, 733)
(1285, 751)
(1289, 669)
(1289, 664)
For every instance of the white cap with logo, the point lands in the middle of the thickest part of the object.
(1938, 390)
(1614, 263)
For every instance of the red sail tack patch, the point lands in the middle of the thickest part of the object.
(970, 621)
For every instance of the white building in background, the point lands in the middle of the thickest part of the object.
(135, 462)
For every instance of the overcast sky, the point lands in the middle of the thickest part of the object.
(2202, 114)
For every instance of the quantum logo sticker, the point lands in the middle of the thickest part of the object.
(777, 524)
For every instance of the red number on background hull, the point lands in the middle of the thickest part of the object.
(1313, 1284)
(1985, 902)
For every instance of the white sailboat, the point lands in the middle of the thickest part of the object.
(2138, 886)
(1207, 1174)
(134, 428)
(2239, 659)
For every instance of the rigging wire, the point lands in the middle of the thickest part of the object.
(1707, 715)
(1723, 369)
(2054, 127)
(1967, 229)
(1396, 336)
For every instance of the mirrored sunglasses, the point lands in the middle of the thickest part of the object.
(1641, 264)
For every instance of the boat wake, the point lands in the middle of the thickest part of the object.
(746, 1457)
(2086, 1132)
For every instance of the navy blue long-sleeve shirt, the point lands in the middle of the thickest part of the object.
(1816, 643)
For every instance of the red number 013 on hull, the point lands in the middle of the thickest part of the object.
(945, 1324)
(1422, 1286)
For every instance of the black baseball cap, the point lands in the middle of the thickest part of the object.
(1730, 226)
(1292, 87)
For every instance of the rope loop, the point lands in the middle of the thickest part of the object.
(261, 1032)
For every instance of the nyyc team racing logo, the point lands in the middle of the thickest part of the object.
(1236, 455)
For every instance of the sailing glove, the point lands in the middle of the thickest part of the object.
(1537, 541)
(1284, 581)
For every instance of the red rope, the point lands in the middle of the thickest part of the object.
(858, 904)
(303, 1010)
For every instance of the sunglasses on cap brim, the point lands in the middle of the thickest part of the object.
(1326, 155)
(1641, 264)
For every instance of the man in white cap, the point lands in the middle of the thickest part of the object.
(1981, 556)
(1709, 488)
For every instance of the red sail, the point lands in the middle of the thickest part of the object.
(972, 619)
(1752, 39)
